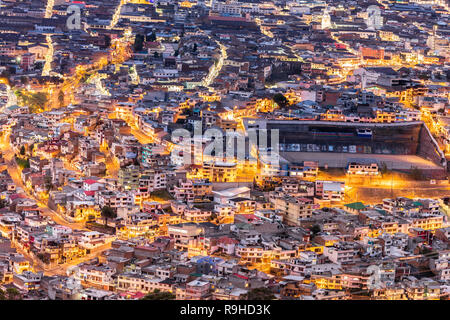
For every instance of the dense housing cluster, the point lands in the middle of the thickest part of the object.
(224, 150)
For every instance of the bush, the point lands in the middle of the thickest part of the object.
(161, 195)
(100, 227)
(280, 100)
(158, 295)
(44, 258)
(260, 294)
(315, 229)
(22, 163)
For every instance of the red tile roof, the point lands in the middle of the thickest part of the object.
(240, 276)
(17, 196)
(90, 181)
(227, 240)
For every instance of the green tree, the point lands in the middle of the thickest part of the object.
(19, 94)
(48, 183)
(260, 294)
(44, 258)
(23, 163)
(280, 100)
(108, 213)
(425, 250)
(315, 229)
(84, 78)
(212, 217)
(36, 102)
(5, 74)
(151, 37)
(138, 43)
(158, 295)
(39, 99)
(107, 41)
(61, 98)
(24, 80)
(13, 294)
(38, 65)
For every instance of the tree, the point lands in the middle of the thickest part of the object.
(6, 75)
(424, 76)
(260, 294)
(212, 217)
(48, 183)
(151, 37)
(425, 250)
(280, 100)
(38, 65)
(22, 150)
(84, 78)
(35, 101)
(315, 229)
(43, 258)
(108, 213)
(23, 163)
(13, 294)
(255, 184)
(158, 295)
(39, 99)
(61, 98)
(24, 80)
(138, 43)
(107, 41)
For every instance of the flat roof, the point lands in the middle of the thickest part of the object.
(232, 192)
(332, 123)
(340, 160)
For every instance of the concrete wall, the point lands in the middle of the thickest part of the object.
(342, 137)
(218, 186)
(429, 149)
